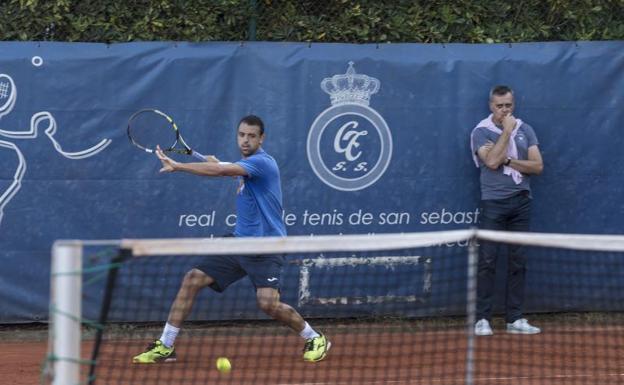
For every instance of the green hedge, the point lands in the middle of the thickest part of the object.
(365, 21)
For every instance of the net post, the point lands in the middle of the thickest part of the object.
(121, 256)
(65, 311)
(471, 302)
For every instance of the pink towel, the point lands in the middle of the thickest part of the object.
(512, 149)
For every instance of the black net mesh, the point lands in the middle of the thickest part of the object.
(394, 316)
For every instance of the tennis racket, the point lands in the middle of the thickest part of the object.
(149, 127)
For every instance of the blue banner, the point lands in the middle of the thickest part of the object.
(390, 154)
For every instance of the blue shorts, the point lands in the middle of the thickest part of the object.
(263, 270)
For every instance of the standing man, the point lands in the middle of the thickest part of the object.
(506, 151)
(259, 213)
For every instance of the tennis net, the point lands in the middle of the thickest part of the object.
(397, 308)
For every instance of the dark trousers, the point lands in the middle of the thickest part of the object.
(510, 214)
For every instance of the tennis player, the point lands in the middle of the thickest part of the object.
(507, 153)
(259, 213)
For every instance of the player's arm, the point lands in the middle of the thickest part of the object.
(211, 167)
(533, 164)
(211, 159)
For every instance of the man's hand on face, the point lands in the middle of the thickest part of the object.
(509, 123)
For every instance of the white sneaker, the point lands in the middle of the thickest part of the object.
(482, 328)
(522, 326)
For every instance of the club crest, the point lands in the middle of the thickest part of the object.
(349, 145)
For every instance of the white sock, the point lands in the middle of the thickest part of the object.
(308, 332)
(169, 335)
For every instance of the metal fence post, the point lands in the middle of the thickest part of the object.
(253, 20)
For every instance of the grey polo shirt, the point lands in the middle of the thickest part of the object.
(495, 184)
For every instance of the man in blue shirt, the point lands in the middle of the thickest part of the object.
(259, 213)
(506, 151)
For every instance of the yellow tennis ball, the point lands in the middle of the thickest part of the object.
(223, 365)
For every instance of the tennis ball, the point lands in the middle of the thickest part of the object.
(223, 365)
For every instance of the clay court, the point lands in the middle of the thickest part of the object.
(359, 355)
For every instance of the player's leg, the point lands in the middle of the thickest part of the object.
(217, 273)
(268, 301)
(194, 280)
(316, 345)
(265, 273)
(162, 350)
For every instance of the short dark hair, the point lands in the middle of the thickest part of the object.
(500, 90)
(253, 120)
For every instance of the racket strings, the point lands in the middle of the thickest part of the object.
(148, 129)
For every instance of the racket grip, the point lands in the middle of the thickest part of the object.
(198, 156)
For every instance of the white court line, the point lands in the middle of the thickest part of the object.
(462, 380)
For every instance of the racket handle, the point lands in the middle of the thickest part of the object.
(198, 156)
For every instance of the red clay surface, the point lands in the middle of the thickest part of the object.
(575, 356)
(20, 362)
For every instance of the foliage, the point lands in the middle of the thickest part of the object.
(363, 21)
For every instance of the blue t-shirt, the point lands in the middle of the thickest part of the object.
(259, 198)
(495, 184)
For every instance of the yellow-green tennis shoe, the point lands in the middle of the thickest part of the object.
(156, 352)
(316, 348)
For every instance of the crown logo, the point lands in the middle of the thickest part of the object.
(350, 87)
